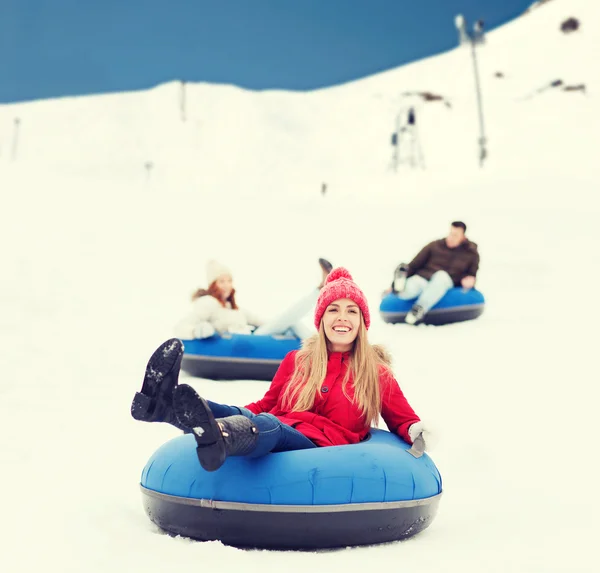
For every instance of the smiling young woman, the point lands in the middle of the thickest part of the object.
(328, 393)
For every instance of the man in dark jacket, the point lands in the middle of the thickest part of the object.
(438, 267)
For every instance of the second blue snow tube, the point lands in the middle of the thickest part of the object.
(456, 305)
(237, 356)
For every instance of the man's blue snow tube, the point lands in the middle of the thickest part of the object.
(359, 494)
(456, 305)
(237, 356)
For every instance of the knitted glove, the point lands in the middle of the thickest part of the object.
(204, 330)
(419, 428)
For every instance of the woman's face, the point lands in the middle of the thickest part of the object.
(225, 285)
(340, 323)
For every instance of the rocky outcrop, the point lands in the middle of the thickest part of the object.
(570, 25)
(429, 96)
(575, 88)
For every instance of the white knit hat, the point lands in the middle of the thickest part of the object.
(214, 270)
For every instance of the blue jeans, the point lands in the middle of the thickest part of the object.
(430, 292)
(273, 435)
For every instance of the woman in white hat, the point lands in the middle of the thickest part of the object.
(215, 309)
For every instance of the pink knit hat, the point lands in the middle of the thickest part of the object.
(339, 284)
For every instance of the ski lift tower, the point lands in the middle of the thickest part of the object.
(474, 38)
(405, 139)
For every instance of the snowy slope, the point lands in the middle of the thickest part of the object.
(100, 260)
(270, 135)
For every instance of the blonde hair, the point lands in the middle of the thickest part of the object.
(366, 361)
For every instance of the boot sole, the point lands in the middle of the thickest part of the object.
(325, 265)
(150, 404)
(194, 412)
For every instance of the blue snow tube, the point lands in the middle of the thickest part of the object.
(456, 305)
(237, 356)
(337, 496)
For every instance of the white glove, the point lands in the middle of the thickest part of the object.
(204, 330)
(419, 429)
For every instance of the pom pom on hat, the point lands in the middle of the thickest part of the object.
(214, 270)
(340, 284)
(338, 273)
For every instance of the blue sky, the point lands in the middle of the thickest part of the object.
(50, 48)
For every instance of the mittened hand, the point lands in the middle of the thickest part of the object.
(204, 330)
(468, 282)
(419, 429)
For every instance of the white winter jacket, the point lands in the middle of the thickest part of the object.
(224, 319)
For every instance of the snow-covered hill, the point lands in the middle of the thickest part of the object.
(308, 137)
(113, 205)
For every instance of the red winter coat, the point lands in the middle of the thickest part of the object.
(334, 420)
